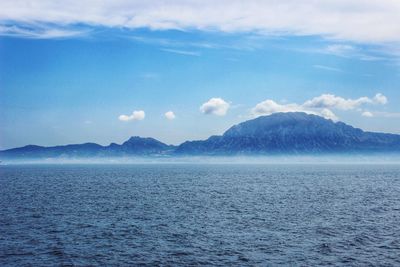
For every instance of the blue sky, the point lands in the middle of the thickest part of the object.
(80, 80)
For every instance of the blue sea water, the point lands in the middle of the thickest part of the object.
(190, 215)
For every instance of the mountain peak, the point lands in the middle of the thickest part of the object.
(138, 139)
(144, 145)
(142, 140)
(288, 122)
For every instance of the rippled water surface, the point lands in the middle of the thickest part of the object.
(300, 215)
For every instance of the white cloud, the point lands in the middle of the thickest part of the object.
(269, 106)
(380, 99)
(332, 101)
(320, 105)
(216, 106)
(367, 114)
(136, 115)
(169, 115)
(328, 114)
(373, 21)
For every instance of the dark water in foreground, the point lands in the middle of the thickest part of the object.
(300, 215)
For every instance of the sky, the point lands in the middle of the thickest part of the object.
(102, 71)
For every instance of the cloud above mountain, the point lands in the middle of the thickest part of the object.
(373, 21)
(332, 101)
(321, 105)
(136, 115)
(169, 115)
(367, 114)
(269, 106)
(380, 99)
(216, 106)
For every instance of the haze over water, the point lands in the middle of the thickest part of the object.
(203, 214)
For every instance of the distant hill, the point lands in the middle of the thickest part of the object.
(135, 146)
(139, 146)
(279, 133)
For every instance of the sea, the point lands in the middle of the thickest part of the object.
(200, 215)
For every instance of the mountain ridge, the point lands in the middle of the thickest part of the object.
(278, 133)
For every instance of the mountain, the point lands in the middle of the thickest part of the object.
(135, 146)
(32, 151)
(293, 133)
(139, 146)
(279, 133)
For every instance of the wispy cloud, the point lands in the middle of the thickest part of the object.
(175, 43)
(149, 75)
(343, 50)
(367, 114)
(382, 114)
(40, 31)
(182, 52)
(323, 67)
(374, 21)
(352, 51)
